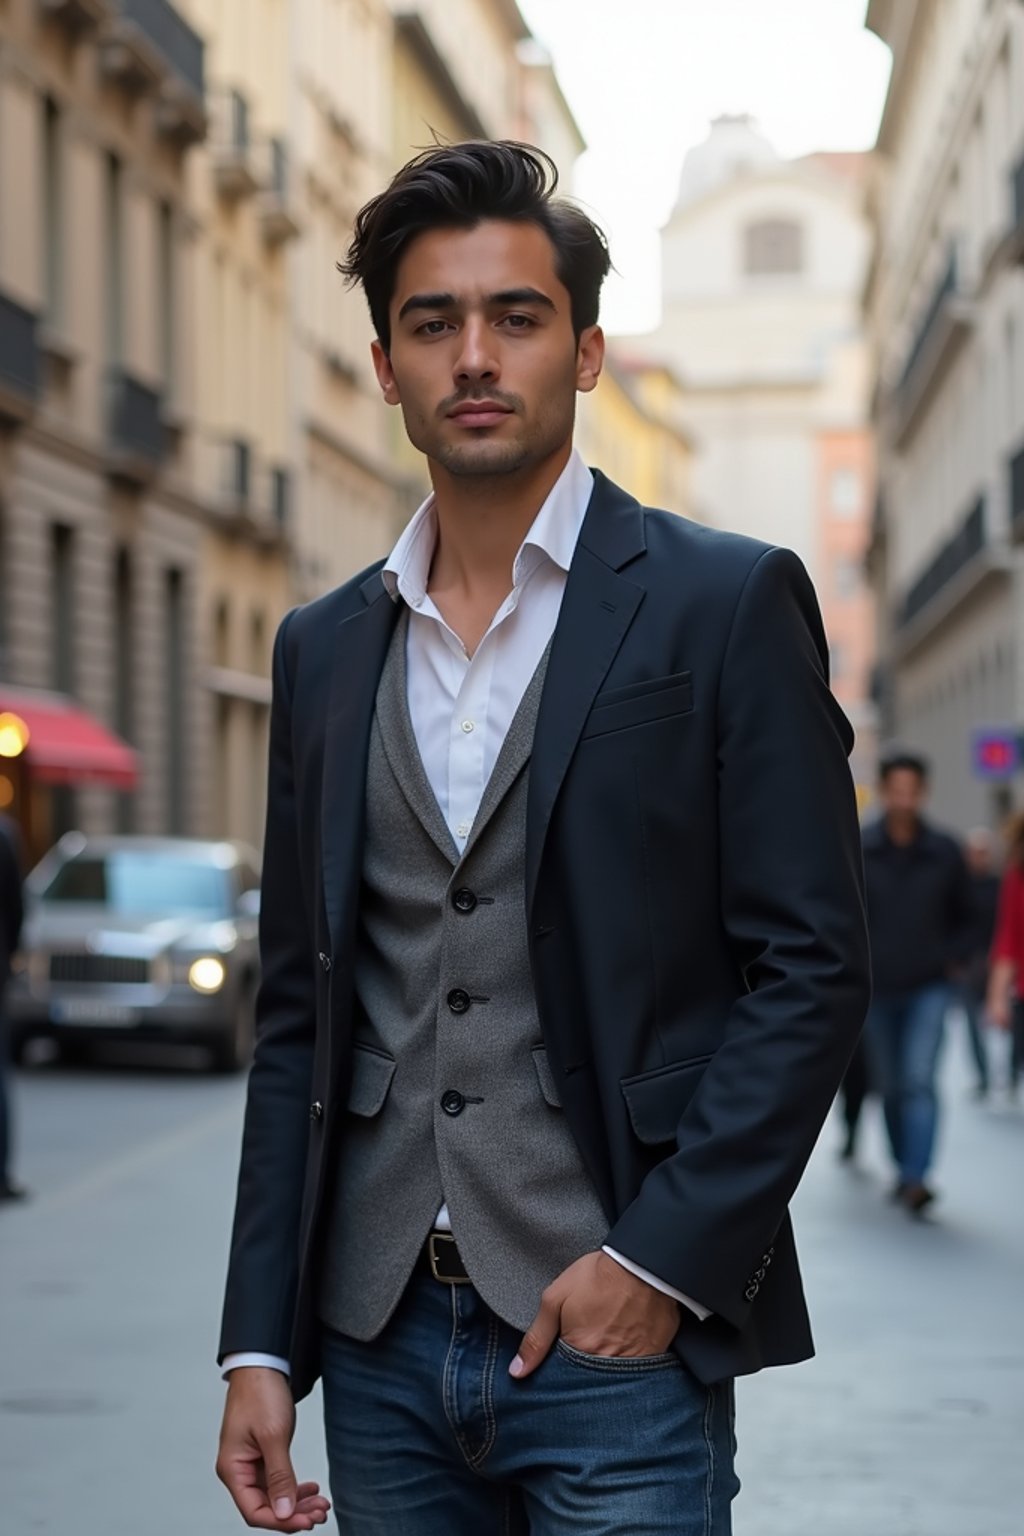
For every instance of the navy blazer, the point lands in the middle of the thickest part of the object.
(694, 896)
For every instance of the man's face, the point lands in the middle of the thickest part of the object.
(903, 793)
(483, 361)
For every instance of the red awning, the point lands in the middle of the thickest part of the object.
(66, 745)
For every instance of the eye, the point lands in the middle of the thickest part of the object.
(432, 328)
(518, 322)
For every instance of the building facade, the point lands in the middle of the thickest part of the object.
(944, 307)
(100, 526)
(763, 260)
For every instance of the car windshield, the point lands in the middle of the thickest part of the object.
(136, 882)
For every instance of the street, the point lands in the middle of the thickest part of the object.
(907, 1424)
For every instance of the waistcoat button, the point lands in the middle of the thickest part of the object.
(316, 1111)
(458, 1001)
(464, 901)
(452, 1102)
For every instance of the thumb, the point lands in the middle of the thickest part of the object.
(280, 1478)
(536, 1342)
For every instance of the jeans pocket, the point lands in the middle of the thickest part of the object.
(617, 1365)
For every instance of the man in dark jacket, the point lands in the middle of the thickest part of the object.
(11, 913)
(562, 937)
(918, 917)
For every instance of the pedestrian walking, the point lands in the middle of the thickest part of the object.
(563, 943)
(11, 915)
(1005, 1003)
(972, 979)
(918, 917)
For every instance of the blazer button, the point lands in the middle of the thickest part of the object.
(459, 1001)
(452, 1102)
(464, 901)
(325, 961)
(316, 1111)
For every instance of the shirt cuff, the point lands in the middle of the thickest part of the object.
(253, 1357)
(659, 1285)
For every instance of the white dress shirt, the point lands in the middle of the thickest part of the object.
(462, 706)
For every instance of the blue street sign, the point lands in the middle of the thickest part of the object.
(995, 753)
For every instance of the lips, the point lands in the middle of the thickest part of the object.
(479, 413)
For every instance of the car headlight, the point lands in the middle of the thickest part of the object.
(207, 974)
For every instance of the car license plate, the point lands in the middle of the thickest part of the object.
(87, 1010)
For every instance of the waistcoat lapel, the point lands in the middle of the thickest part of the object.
(514, 754)
(399, 742)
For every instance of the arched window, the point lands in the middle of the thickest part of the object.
(772, 247)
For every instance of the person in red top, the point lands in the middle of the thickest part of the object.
(1006, 981)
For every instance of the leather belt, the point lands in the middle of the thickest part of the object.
(441, 1256)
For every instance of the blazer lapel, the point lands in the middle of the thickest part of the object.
(597, 609)
(361, 645)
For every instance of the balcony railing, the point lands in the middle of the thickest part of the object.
(1017, 496)
(943, 327)
(278, 215)
(234, 163)
(136, 431)
(150, 46)
(955, 554)
(19, 360)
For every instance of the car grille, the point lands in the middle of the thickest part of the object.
(99, 968)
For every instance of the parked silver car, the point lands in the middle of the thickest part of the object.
(140, 937)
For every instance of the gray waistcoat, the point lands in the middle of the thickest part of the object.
(446, 1016)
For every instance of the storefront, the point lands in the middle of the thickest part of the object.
(48, 743)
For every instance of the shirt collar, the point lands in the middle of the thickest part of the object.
(553, 535)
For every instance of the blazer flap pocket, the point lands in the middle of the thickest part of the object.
(656, 1100)
(655, 699)
(545, 1077)
(372, 1072)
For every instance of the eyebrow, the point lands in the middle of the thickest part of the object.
(420, 301)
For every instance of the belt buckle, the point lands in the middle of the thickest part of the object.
(433, 1241)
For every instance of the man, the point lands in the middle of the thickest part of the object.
(11, 915)
(918, 912)
(563, 943)
(972, 978)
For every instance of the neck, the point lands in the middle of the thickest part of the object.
(902, 829)
(483, 520)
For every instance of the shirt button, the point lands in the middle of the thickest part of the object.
(452, 1102)
(468, 725)
(417, 602)
(462, 830)
(464, 901)
(459, 1001)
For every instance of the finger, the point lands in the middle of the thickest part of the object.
(279, 1477)
(535, 1345)
(257, 1512)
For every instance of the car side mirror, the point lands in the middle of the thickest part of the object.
(249, 903)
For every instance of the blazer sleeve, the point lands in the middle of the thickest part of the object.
(262, 1277)
(792, 907)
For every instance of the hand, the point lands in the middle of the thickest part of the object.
(254, 1463)
(598, 1307)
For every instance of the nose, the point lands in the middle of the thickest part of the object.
(476, 362)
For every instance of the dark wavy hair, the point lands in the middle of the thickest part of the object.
(457, 186)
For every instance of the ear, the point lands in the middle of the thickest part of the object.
(589, 358)
(385, 373)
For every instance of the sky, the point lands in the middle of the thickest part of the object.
(644, 78)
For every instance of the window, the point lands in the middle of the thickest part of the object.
(124, 673)
(175, 697)
(844, 492)
(53, 220)
(62, 593)
(166, 294)
(773, 247)
(114, 262)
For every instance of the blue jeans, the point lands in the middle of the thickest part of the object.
(428, 1435)
(904, 1033)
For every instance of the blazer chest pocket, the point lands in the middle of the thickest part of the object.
(657, 698)
(656, 1100)
(370, 1083)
